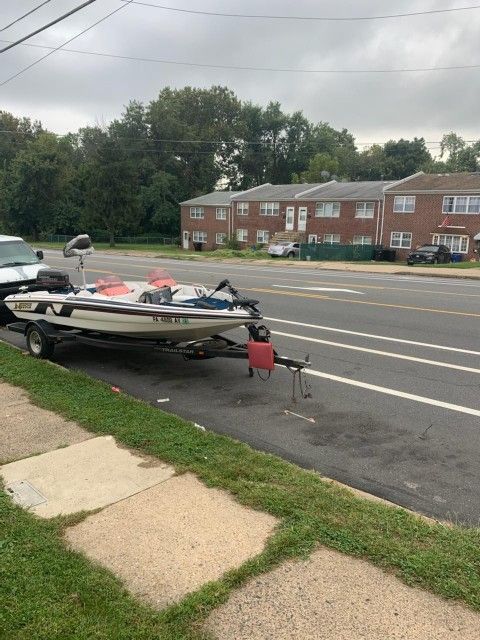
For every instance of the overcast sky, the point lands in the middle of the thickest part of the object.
(68, 90)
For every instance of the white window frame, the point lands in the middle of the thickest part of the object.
(197, 212)
(403, 236)
(359, 239)
(223, 237)
(261, 238)
(199, 236)
(333, 238)
(365, 209)
(312, 238)
(242, 208)
(327, 209)
(242, 235)
(455, 204)
(269, 208)
(448, 239)
(221, 213)
(404, 204)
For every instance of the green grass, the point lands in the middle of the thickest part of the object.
(161, 250)
(49, 592)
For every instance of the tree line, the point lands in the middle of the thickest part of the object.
(129, 176)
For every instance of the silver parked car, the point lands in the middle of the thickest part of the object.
(284, 249)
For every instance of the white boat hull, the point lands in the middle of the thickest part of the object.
(125, 318)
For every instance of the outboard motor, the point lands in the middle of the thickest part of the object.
(52, 279)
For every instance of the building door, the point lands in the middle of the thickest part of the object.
(185, 239)
(302, 218)
(289, 218)
(312, 238)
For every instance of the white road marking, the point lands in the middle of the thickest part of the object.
(395, 392)
(374, 336)
(377, 352)
(287, 286)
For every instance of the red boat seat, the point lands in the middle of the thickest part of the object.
(111, 286)
(161, 278)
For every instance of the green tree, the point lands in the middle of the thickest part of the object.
(321, 168)
(36, 183)
(460, 155)
(111, 199)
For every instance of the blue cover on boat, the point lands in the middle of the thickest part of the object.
(215, 302)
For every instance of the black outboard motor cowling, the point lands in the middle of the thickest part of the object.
(51, 279)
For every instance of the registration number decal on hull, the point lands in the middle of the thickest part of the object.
(22, 306)
(170, 320)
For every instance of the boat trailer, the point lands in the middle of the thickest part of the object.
(41, 338)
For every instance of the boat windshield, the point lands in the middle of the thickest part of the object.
(161, 278)
(15, 253)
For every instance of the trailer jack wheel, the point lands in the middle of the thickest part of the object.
(38, 344)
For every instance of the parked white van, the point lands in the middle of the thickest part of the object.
(19, 264)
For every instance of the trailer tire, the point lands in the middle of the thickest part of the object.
(38, 344)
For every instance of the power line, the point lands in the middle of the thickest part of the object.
(54, 49)
(191, 141)
(307, 18)
(195, 141)
(237, 67)
(47, 26)
(25, 15)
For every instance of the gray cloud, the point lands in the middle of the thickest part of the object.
(68, 90)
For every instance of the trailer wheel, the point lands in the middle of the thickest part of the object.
(38, 344)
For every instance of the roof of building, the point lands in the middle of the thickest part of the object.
(273, 192)
(438, 183)
(217, 198)
(371, 190)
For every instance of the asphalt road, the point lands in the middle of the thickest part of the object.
(394, 381)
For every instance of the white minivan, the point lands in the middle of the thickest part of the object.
(19, 265)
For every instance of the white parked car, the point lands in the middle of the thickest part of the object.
(19, 265)
(284, 249)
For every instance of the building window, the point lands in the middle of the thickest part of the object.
(196, 212)
(269, 208)
(221, 213)
(365, 209)
(220, 238)
(404, 204)
(312, 238)
(263, 236)
(242, 235)
(199, 236)
(327, 210)
(242, 208)
(401, 239)
(362, 240)
(331, 238)
(461, 204)
(456, 244)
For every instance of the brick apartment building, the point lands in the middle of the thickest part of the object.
(420, 209)
(433, 209)
(332, 212)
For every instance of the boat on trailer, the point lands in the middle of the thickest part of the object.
(158, 314)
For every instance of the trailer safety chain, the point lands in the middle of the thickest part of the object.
(303, 386)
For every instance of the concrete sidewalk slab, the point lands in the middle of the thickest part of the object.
(169, 540)
(86, 476)
(26, 430)
(335, 597)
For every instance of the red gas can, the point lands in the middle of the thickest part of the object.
(260, 355)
